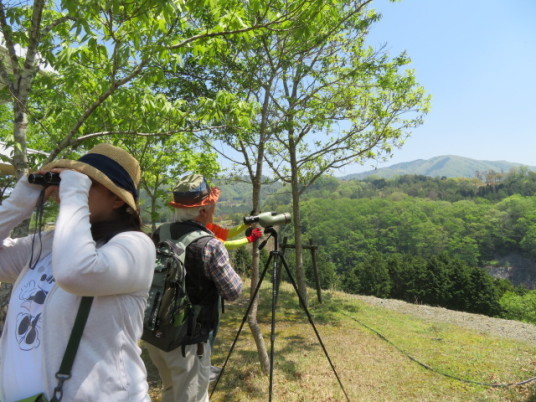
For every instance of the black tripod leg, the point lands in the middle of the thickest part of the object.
(310, 318)
(275, 296)
(279, 275)
(252, 299)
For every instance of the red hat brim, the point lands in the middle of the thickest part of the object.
(212, 198)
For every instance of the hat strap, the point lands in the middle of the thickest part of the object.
(115, 172)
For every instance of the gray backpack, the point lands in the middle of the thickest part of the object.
(170, 317)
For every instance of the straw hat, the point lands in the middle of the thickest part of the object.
(194, 191)
(112, 167)
(6, 169)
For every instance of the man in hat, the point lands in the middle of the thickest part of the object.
(209, 277)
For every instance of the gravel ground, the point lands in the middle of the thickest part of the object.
(494, 326)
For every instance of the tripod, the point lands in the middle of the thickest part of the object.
(278, 259)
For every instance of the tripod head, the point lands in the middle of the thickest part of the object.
(272, 233)
(268, 220)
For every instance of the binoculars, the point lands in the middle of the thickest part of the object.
(47, 179)
(268, 219)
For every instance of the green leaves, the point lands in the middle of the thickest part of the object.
(110, 61)
(520, 307)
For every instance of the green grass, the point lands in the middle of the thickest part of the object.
(371, 368)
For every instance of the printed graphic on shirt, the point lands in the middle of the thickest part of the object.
(32, 296)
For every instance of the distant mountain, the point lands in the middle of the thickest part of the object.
(440, 166)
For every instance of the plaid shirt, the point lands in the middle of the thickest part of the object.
(218, 268)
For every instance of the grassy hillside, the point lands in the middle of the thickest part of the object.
(371, 367)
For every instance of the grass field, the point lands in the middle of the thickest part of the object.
(406, 359)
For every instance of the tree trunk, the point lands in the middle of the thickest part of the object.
(153, 214)
(252, 316)
(295, 188)
(300, 272)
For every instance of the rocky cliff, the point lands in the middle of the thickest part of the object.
(519, 270)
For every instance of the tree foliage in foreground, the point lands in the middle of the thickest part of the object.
(77, 71)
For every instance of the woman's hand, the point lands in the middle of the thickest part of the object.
(51, 190)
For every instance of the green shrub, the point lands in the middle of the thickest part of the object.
(519, 307)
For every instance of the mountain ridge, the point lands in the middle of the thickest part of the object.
(440, 166)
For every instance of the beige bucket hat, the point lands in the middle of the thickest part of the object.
(113, 167)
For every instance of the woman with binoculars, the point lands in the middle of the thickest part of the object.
(96, 257)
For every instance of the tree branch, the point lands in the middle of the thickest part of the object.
(283, 18)
(10, 47)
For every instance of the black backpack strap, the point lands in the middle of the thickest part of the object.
(64, 373)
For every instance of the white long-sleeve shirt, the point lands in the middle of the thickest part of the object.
(118, 274)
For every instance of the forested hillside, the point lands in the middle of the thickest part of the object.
(423, 239)
(478, 221)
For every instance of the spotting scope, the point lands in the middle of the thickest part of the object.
(268, 219)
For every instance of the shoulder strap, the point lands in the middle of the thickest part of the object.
(64, 373)
(192, 236)
(164, 232)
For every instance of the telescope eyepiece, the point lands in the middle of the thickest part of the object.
(248, 220)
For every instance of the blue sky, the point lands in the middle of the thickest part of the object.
(477, 58)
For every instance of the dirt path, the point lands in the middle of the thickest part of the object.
(484, 324)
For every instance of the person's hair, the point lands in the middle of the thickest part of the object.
(130, 217)
(124, 219)
(187, 214)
